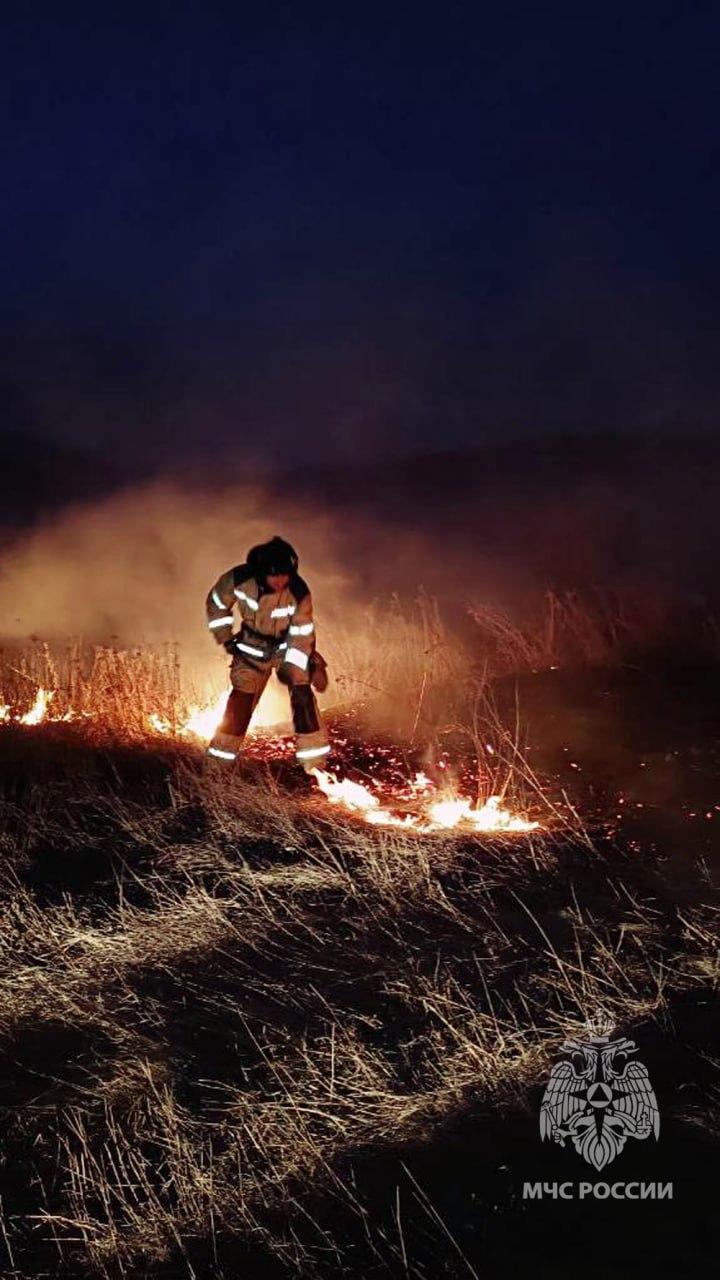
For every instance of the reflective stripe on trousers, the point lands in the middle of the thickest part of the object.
(249, 680)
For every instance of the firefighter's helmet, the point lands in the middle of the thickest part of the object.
(275, 556)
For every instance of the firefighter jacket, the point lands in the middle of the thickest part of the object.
(275, 624)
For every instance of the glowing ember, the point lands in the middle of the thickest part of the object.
(440, 815)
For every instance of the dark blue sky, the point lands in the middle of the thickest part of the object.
(330, 233)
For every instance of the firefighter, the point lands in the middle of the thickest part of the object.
(277, 633)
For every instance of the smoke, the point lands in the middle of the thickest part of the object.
(135, 568)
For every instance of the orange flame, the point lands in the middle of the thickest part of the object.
(38, 710)
(201, 722)
(203, 719)
(440, 815)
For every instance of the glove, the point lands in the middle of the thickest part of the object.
(317, 668)
(229, 646)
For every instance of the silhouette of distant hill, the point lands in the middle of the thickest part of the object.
(563, 510)
(546, 461)
(40, 476)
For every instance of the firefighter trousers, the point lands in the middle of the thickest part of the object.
(249, 677)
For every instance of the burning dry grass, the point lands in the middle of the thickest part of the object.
(407, 674)
(111, 687)
(439, 813)
(401, 663)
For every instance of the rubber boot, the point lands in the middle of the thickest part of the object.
(311, 744)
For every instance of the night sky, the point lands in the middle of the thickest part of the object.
(291, 233)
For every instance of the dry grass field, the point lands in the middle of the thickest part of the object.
(248, 1033)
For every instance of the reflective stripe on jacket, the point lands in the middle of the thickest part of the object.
(282, 615)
